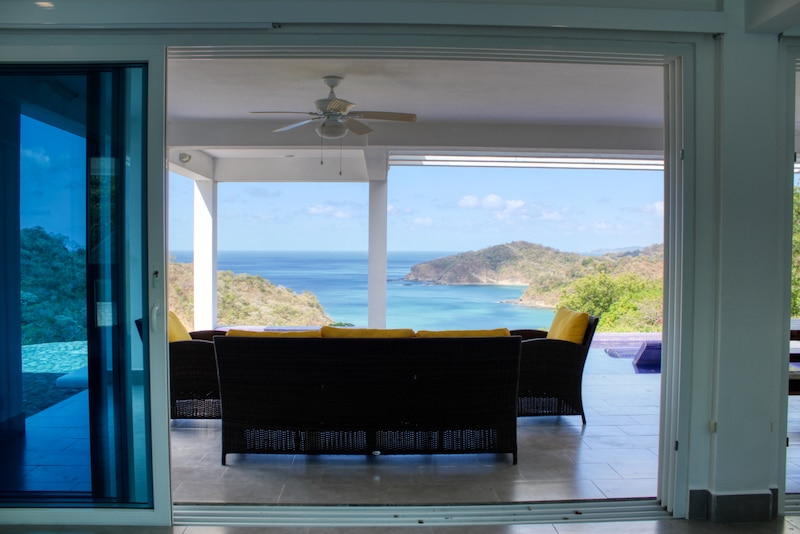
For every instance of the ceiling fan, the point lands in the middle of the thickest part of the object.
(337, 117)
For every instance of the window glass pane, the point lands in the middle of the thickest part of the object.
(529, 233)
(309, 238)
(73, 421)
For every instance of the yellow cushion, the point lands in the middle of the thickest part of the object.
(332, 331)
(496, 332)
(273, 333)
(568, 325)
(175, 329)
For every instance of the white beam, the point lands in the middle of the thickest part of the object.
(220, 134)
(264, 165)
(205, 255)
(378, 167)
(193, 164)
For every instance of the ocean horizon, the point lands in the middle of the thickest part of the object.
(339, 281)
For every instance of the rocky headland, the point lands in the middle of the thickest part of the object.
(543, 270)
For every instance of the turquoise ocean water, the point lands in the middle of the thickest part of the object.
(339, 280)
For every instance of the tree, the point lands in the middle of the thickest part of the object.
(245, 299)
(626, 302)
(795, 303)
(52, 288)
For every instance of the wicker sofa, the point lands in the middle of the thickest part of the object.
(368, 396)
(193, 384)
(551, 373)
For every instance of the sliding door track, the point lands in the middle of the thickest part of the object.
(441, 515)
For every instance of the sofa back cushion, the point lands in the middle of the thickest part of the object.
(175, 329)
(568, 325)
(371, 333)
(273, 333)
(495, 332)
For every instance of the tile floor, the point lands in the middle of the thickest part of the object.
(613, 456)
(54, 454)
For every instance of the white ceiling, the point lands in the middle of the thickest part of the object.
(461, 106)
(436, 90)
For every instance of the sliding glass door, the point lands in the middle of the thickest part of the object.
(73, 376)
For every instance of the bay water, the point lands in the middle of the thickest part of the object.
(339, 281)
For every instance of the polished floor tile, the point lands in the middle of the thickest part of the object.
(614, 456)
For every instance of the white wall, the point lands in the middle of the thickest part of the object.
(735, 301)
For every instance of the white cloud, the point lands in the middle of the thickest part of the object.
(326, 210)
(469, 201)
(551, 216)
(656, 208)
(320, 209)
(493, 202)
(502, 209)
(510, 207)
(258, 217)
(38, 157)
(423, 221)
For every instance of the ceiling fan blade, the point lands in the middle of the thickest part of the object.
(285, 112)
(339, 105)
(357, 127)
(384, 115)
(295, 125)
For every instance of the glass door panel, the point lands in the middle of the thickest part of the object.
(73, 397)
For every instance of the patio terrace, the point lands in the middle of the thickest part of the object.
(614, 456)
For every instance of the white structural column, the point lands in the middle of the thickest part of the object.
(377, 168)
(205, 254)
(739, 379)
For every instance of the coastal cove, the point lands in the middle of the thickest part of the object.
(339, 280)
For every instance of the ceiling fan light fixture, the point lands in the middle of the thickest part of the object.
(337, 117)
(331, 129)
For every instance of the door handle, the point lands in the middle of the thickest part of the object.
(155, 312)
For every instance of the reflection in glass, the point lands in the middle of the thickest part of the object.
(73, 398)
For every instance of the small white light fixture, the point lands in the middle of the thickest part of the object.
(331, 129)
(184, 157)
(45, 5)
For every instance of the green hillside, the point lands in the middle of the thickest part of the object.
(625, 287)
(546, 271)
(246, 299)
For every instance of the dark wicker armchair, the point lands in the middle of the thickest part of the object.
(193, 382)
(551, 373)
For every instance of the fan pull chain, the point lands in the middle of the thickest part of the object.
(340, 156)
(320, 150)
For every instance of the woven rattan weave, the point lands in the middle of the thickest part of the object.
(368, 396)
(551, 373)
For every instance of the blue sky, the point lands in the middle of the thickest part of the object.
(437, 209)
(53, 185)
(430, 208)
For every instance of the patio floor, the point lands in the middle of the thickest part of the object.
(614, 456)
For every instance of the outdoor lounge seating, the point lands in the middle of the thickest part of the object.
(193, 383)
(368, 396)
(551, 372)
